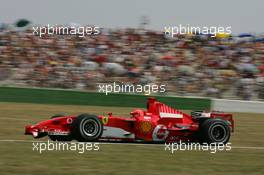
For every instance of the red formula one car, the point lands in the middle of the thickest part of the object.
(159, 123)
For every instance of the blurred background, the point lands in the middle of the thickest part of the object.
(227, 66)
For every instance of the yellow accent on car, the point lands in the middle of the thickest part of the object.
(105, 120)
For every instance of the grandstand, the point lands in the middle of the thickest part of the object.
(189, 65)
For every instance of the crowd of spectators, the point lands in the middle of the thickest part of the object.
(195, 65)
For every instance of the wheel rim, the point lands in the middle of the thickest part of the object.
(90, 127)
(218, 133)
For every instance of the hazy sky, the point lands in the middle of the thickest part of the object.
(242, 16)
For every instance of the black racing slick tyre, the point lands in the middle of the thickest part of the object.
(65, 138)
(214, 131)
(87, 128)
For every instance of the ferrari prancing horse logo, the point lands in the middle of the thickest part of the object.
(105, 120)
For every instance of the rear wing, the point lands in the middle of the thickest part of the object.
(225, 116)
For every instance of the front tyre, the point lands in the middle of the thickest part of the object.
(214, 131)
(87, 128)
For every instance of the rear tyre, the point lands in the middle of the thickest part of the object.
(87, 128)
(66, 138)
(214, 131)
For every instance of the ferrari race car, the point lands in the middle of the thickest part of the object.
(159, 123)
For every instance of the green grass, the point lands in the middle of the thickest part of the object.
(18, 157)
(44, 96)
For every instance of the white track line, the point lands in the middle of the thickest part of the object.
(132, 144)
(247, 147)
